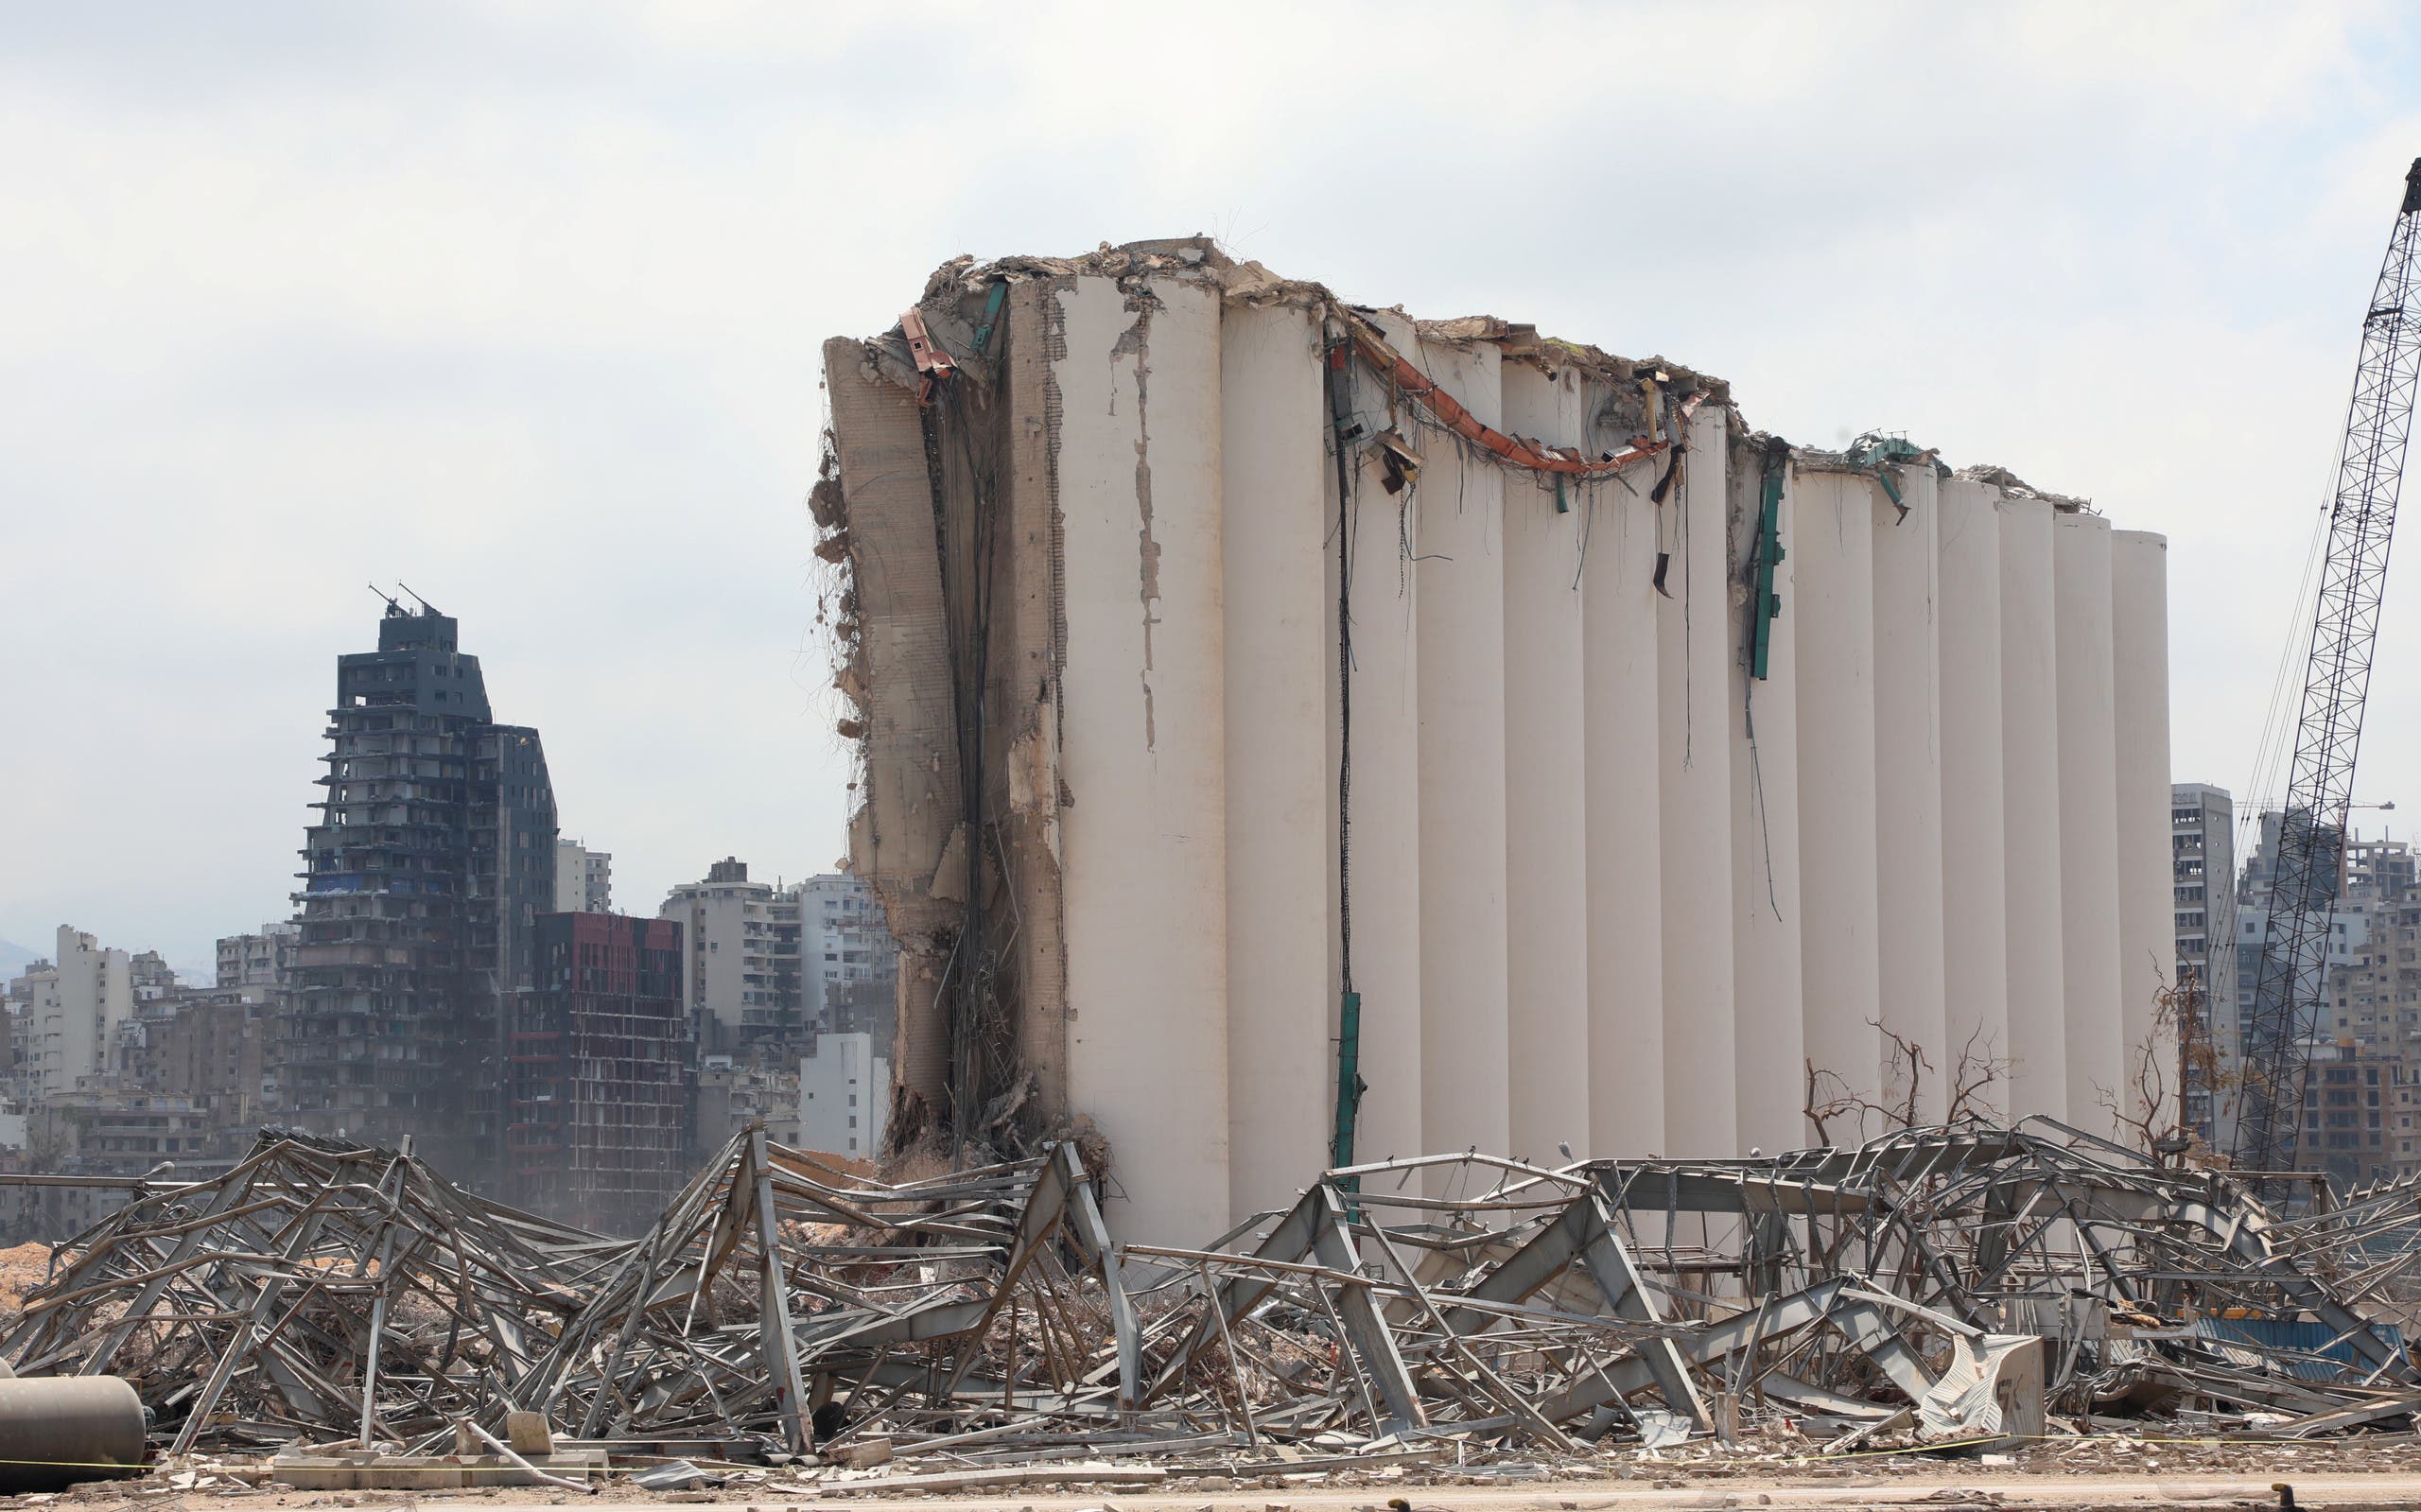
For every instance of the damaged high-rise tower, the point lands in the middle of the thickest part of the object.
(1292, 728)
(434, 855)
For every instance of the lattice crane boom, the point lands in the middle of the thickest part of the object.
(2289, 999)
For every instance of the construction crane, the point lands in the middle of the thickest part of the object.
(2288, 1001)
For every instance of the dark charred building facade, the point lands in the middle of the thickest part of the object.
(599, 1085)
(423, 881)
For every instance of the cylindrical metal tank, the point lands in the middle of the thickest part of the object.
(1280, 784)
(2088, 820)
(1975, 859)
(2038, 1035)
(1909, 797)
(1769, 1073)
(1144, 874)
(1833, 558)
(56, 1431)
(2147, 880)
(1458, 559)
(1626, 899)
(1546, 877)
(1694, 641)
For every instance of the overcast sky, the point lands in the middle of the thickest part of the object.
(519, 303)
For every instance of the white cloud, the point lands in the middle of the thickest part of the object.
(521, 305)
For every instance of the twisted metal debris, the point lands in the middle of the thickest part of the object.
(1898, 1288)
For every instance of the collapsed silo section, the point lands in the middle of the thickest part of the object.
(1295, 733)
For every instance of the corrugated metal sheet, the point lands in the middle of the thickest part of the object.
(2309, 1350)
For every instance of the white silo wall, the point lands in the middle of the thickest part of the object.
(1547, 879)
(1458, 543)
(1144, 864)
(1623, 824)
(2088, 818)
(1770, 1079)
(1607, 888)
(1975, 893)
(1695, 638)
(1908, 788)
(1383, 862)
(2147, 920)
(1280, 790)
(1832, 570)
(2038, 1035)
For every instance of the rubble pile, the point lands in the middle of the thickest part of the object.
(1982, 1288)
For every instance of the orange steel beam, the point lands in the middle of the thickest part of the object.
(1452, 415)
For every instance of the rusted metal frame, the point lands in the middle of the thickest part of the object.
(1487, 1382)
(1347, 1366)
(1083, 1374)
(1058, 1354)
(306, 1230)
(1457, 1390)
(98, 1362)
(96, 1245)
(2307, 1294)
(1366, 1331)
(378, 1304)
(1584, 1232)
(706, 1366)
(2015, 1243)
(781, 1343)
(880, 1406)
(1610, 1264)
(1622, 1378)
(1289, 1241)
(1235, 1370)
(166, 1271)
(2101, 1256)
(458, 1309)
(642, 1271)
(1092, 1236)
(295, 1376)
(1506, 1193)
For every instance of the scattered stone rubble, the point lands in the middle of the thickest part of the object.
(334, 1317)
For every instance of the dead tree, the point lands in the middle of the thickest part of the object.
(2154, 1111)
(1979, 1070)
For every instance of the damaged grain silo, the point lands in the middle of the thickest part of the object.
(1262, 695)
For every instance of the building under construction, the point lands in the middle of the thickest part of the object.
(599, 1133)
(432, 857)
(1295, 733)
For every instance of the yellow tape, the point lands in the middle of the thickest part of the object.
(1793, 1459)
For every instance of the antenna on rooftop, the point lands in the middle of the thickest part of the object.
(394, 610)
(425, 604)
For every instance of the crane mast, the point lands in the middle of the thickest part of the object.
(2289, 1002)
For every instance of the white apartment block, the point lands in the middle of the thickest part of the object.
(740, 972)
(2203, 862)
(844, 938)
(583, 879)
(260, 960)
(844, 1094)
(73, 1010)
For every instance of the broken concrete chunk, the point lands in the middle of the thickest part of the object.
(528, 1432)
(863, 1453)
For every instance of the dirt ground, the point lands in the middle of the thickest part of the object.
(2378, 1471)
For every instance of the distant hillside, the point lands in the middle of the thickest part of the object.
(14, 958)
